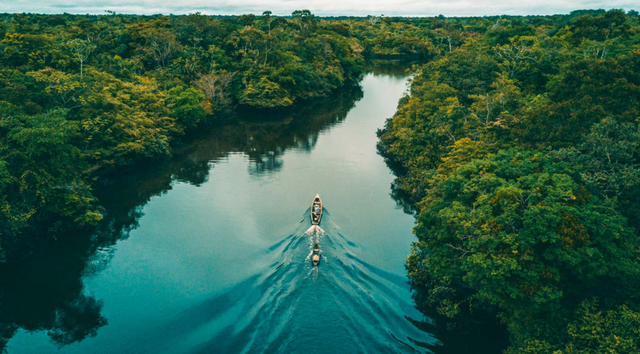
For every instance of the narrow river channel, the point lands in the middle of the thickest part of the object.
(208, 253)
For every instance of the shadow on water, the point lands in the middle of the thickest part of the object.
(42, 295)
(391, 67)
(278, 310)
(45, 292)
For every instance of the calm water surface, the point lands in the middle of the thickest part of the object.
(209, 252)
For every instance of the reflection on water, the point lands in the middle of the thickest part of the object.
(46, 293)
(390, 67)
(193, 255)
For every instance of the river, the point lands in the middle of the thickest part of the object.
(209, 252)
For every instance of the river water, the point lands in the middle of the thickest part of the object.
(209, 252)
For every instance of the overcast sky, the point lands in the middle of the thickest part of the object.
(318, 7)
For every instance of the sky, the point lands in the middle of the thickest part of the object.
(318, 7)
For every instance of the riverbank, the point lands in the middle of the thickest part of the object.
(220, 227)
(97, 103)
(511, 151)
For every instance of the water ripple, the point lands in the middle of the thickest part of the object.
(344, 305)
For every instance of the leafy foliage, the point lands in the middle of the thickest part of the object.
(518, 150)
(82, 97)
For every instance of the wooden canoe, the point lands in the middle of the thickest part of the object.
(316, 210)
(315, 256)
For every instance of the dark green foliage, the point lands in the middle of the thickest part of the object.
(592, 331)
(190, 106)
(519, 232)
(519, 152)
(85, 96)
(517, 147)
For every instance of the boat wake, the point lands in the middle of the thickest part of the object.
(315, 233)
(343, 306)
(313, 230)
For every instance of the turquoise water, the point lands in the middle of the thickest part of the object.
(209, 253)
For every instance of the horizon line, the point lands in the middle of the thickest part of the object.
(109, 12)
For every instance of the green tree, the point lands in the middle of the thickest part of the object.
(520, 233)
(263, 93)
(188, 107)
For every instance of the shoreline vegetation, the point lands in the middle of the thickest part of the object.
(517, 149)
(519, 153)
(46, 293)
(84, 96)
(88, 96)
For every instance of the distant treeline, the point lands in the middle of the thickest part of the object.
(519, 150)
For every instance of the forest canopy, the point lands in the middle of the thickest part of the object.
(518, 146)
(518, 149)
(82, 97)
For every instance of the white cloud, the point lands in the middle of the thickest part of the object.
(319, 7)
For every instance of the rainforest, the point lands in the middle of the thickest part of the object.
(511, 145)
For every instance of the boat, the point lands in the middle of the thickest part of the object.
(315, 256)
(316, 210)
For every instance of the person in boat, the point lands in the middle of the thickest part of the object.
(315, 258)
(316, 208)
